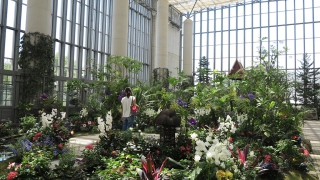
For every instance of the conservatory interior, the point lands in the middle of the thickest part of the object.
(159, 89)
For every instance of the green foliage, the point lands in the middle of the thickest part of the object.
(27, 122)
(36, 61)
(24, 109)
(265, 95)
(203, 71)
(306, 87)
(120, 166)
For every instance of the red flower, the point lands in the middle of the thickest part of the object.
(60, 146)
(188, 148)
(242, 133)
(294, 137)
(267, 158)
(113, 152)
(187, 153)
(305, 151)
(36, 136)
(12, 175)
(230, 139)
(182, 148)
(90, 146)
(157, 151)
(250, 132)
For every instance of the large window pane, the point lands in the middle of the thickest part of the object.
(317, 45)
(308, 30)
(23, 17)
(264, 20)
(11, 13)
(299, 16)
(240, 22)
(9, 48)
(281, 32)
(290, 17)
(309, 46)
(299, 31)
(57, 55)
(316, 29)
(290, 32)
(256, 20)
(317, 14)
(281, 18)
(308, 15)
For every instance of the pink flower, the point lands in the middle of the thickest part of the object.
(11, 165)
(89, 122)
(84, 125)
(17, 167)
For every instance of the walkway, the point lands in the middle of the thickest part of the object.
(311, 131)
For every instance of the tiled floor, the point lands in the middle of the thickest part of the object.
(311, 131)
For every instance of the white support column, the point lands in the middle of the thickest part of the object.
(187, 46)
(39, 17)
(120, 22)
(161, 59)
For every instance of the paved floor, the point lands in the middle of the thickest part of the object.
(311, 131)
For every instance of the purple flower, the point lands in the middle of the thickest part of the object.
(192, 121)
(241, 97)
(44, 96)
(123, 92)
(181, 103)
(107, 92)
(119, 98)
(251, 96)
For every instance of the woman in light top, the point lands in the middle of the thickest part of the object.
(126, 103)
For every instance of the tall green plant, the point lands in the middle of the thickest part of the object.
(307, 87)
(265, 95)
(36, 59)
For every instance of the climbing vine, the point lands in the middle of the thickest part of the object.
(37, 63)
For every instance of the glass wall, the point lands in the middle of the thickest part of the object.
(139, 38)
(224, 34)
(82, 30)
(12, 26)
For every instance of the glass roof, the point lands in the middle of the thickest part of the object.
(185, 6)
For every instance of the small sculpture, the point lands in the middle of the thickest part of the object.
(109, 121)
(168, 118)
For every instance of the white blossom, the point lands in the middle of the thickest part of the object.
(197, 158)
(83, 112)
(194, 136)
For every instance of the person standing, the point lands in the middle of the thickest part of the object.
(126, 103)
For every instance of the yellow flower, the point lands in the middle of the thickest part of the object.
(229, 174)
(220, 174)
(294, 159)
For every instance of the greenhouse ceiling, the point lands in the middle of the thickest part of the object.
(185, 6)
